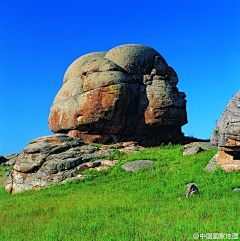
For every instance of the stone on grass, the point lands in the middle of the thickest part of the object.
(236, 189)
(137, 165)
(195, 147)
(192, 189)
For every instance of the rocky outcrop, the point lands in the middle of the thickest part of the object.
(59, 158)
(227, 136)
(49, 160)
(126, 94)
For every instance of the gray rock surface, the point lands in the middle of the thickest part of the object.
(49, 160)
(228, 126)
(212, 166)
(195, 147)
(227, 136)
(53, 159)
(137, 165)
(11, 159)
(236, 189)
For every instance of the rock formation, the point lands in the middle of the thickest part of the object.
(126, 94)
(54, 159)
(227, 136)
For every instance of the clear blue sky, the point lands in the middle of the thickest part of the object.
(39, 39)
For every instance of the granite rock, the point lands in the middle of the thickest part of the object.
(126, 94)
(227, 136)
(133, 166)
(195, 147)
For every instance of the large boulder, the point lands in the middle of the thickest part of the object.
(126, 94)
(227, 136)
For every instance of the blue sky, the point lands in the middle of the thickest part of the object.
(39, 39)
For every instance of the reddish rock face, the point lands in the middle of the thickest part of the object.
(126, 94)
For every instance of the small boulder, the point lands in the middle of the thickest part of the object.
(192, 189)
(236, 189)
(137, 165)
(192, 151)
(195, 147)
(94, 164)
(107, 163)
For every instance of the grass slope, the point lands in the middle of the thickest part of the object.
(119, 205)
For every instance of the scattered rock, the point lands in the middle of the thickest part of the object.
(101, 168)
(137, 165)
(108, 163)
(107, 97)
(192, 189)
(227, 136)
(195, 147)
(94, 164)
(192, 150)
(236, 189)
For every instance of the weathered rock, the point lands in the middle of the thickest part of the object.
(192, 150)
(94, 163)
(11, 159)
(43, 162)
(195, 147)
(137, 165)
(227, 129)
(192, 189)
(126, 94)
(227, 136)
(212, 166)
(236, 189)
(108, 163)
(53, 159)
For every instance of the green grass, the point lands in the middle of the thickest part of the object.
(119, 205)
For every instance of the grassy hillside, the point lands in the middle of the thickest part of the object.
(119, 205)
